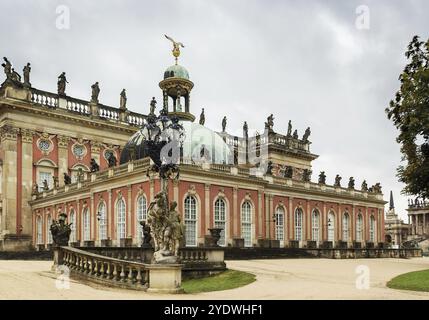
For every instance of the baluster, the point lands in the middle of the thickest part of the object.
(102, 269)
(130, 275)
(108, 272)
(122, 275)
(126, 255)
(115, 271)
(95, 270)
(139, 276)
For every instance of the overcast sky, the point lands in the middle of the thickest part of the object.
(313, 62)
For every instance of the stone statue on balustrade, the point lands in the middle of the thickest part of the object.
(56, 182)
(26, 72)
(123, 100)
(270, 123)
(61, 84)
(152, 106)
(289, 128)
(337, 182)
(45, 185)
(7, 66)
(60, 231)
(245, 130)
(202, 118)
(351, 183)
(95, 92)
(94, 165)
(224, 124)
(322, 177)
(376, 188)
(166, 229)
(112, 161)
(67, 179)
(306, 134)
(270, 168)
(35, 190)
(364, 186)
(295, 134)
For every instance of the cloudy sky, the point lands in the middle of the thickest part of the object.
(314, 62)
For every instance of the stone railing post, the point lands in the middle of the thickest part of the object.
(94, 109)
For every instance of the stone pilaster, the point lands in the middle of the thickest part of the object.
(260, 219)
(291, 219)
(130, 221)
(63, 143)
(95, 151)
(207, 207)
(27, 180)
(235, 212)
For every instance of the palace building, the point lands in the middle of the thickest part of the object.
(63, 154)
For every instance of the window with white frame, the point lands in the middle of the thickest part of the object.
(141, 215)
(220, 219)
(346, 226)
(191, 221)
(372, 229)
(86, 225)
(39, 227)
(359, 228)
(121, 224)
(331, 226)
(315, 223)
(102, 221)
(44, 175)
(280, 227)
(246, 223)
(48, 229)
(298, 224)
(73, 226)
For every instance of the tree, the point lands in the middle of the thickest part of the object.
(409, 112)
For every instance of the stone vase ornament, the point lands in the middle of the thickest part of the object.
(215, 234)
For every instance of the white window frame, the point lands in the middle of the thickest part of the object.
(246, 223)
(315, 225)
(299, 220)
(73, 235)
(48, 229)
(372, 229)
(220, 219)
(39, 228)
(141, 215)
(86, 225)
(359, 228)
(102, 220)
(346, 226)
(280, 225)
(47, 175)
(191, 221)
(331, 227)
(121, 220)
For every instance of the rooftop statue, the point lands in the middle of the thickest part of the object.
(289, 128)
(176, 47)
(7, 66)
(351, 183)
(202, 118)
(337, 182)
(245, 130)
(152, 106)
(306, 175)
(270, 122)
(322, 177)
(62, 80)
(295, 134)
(95, 92)
(26, 72)
(364, 186)
(60, 231)
(123, 100)
(224, 124)
(306, 134)
(15, 76)
(270, 168)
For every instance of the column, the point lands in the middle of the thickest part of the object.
(291, 219)
(110, 215)
(9, 147)
(93, 218)
(206, 209)
(130, 220)
(235, 211)
(63, 143)
(308, 221)
(324, 223)
(353, 225)
(268, 216)
(260, 219)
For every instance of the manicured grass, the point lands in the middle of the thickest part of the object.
(416, 281)
(226, 280)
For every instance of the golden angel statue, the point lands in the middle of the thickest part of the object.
(176, 47)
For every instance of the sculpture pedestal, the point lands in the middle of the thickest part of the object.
(165, 278)
(58, 258)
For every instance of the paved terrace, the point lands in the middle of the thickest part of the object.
(276, 279)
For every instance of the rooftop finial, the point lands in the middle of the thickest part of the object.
(176, 47)
(391, 204)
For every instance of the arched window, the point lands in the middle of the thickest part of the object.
(315, 222)
(39, 226)
(346, 226)
(372, 229)
(331, 226)
(280, 229)
(86, 225)
(191, 221)
(120, 223)
(298, 224)
(73, 226)
(48, 229)
(359, 228)
(246, 223)
(220, 219)
(141, 216)
(102, 221)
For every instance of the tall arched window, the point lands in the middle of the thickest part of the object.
(346, 226)
(220, 219)
(86, 225)
(102, 221)
(39, 226)
(331, 226)
(48, 229)
(246, 223)
(73, 226)
(372, 229)
(315, 222)
(280, 229)
(359, 228)
(298, 224)
(141, 216)
(191, 221)
(120, 222)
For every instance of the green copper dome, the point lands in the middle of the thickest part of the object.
(176, 71)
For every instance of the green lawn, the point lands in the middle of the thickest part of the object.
(416, 281)
(226, 280)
